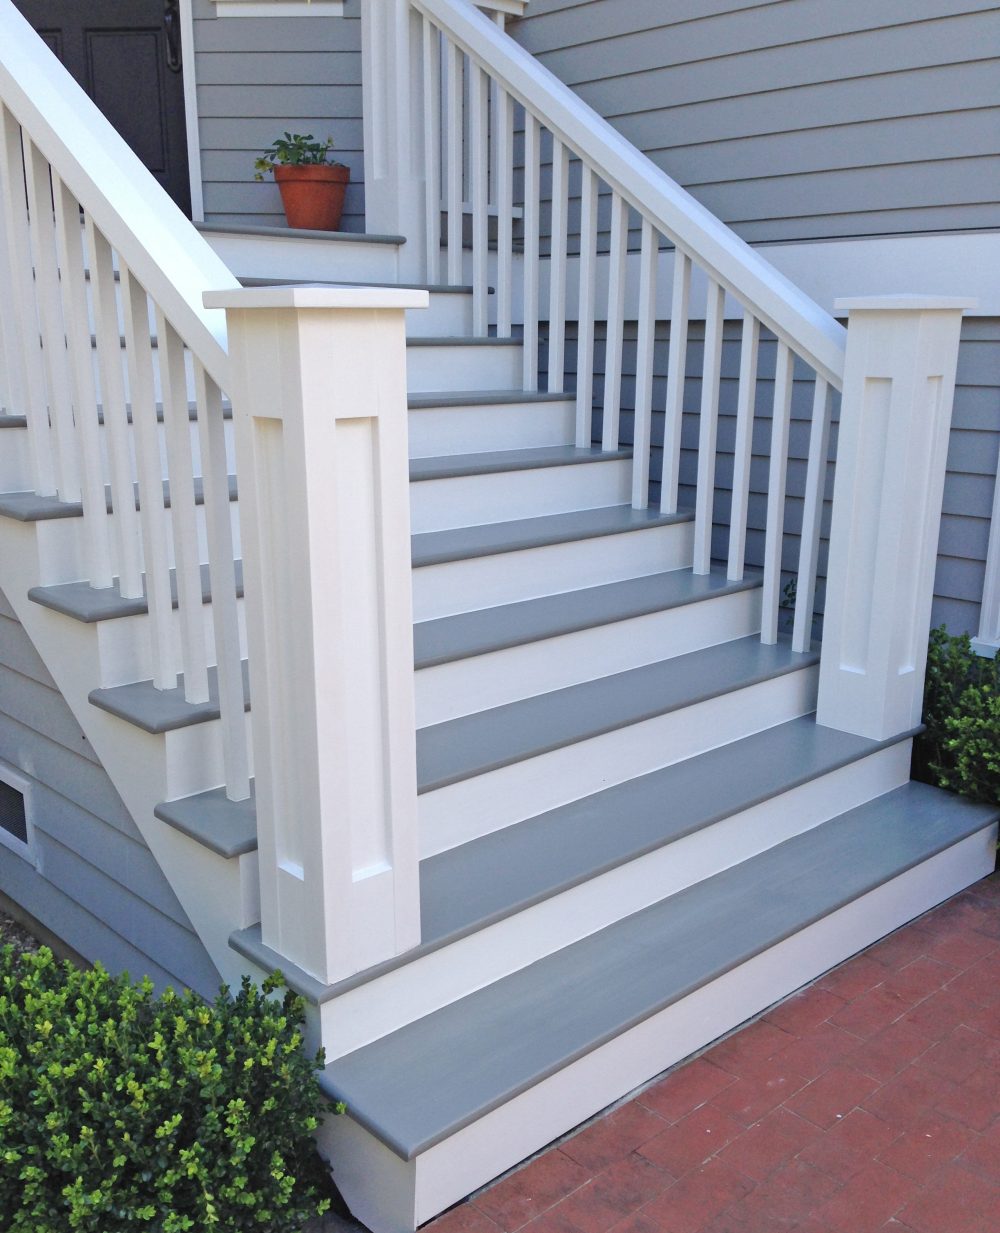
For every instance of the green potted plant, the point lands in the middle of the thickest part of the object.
(312, 186)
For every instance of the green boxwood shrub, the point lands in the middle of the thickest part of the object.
(123, 1111)
(960, 748)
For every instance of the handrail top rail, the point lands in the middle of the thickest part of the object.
(159, 245)
(778, 303)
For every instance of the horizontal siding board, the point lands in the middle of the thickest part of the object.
(44, 711)
(255, 133)
(305, 68)
(18, 652)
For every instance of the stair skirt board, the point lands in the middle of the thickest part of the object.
(505, 577)
(488, 802)
(394, 1195)
(418, 988)
(480, 682)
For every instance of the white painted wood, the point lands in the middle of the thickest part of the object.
(988, 638)
(431, 80)
(438, 431)
(642, 430)
(324, 467)
(482, 582)
(221, 557)
(287, 256)
(479, 197)
(812, 515)
(21, 334)
(476, 500)
(729, 261)
(278, 8)
(72, 282)
(746, 398)
(676, 370)
(496, 1142)
(382, 1187)
(454, 144)
(708, 427)
(503, 142)
(191, 126)
(50, 319)
(776, 483)
(149, 474)
(891, 454)
(387, 1003)
(532, 140)
(464, 686)
(125, 518)
(183, 524)
(585, 308)
(556, 363)
(616, 324)
(462, 367)
(496, 799)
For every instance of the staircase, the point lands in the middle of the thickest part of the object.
(631, 831)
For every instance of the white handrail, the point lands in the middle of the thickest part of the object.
(159, 245)
(781, 306)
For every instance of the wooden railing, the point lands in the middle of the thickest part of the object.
(103, 335)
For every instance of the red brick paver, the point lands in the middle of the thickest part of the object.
(869, 1101)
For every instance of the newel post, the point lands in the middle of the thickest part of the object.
(319, 402)
(899, 382)
(392, 102)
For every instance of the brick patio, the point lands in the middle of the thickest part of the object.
(868, 1101)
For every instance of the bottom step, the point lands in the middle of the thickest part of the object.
(443, 1105)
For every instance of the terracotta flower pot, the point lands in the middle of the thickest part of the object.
(313, 194)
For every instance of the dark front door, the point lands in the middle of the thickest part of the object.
(127, 56)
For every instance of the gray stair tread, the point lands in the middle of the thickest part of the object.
(438, 547)
(227, 827)
(423, 1082)
(497, 875)
(29, 507)
(492, 629)
(13, 421)
(462, 340)
(163, 710)
(451, 466)
(481, 398)
(299, 233)
(460, 748)
(82, 602)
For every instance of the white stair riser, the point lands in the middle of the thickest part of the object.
(303, 258)
(193, 757)
(472, 429)
(506, 577)
(489, 802)
(482, 366)
(449, 313)
(390, 1002)
(473, 500)
(446, 691)
(61, 545)
(407, 1193)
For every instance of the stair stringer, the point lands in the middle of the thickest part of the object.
(214, 892)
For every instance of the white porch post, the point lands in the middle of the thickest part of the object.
(392, 91)
(899, 381)
(319, 401)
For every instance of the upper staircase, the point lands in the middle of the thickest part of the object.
(630, 830)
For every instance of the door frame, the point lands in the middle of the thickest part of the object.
(191, 110)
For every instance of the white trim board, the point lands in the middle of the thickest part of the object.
(279, 8)
(191, 118)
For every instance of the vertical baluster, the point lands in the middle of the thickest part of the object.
(504, 145)
(496, 103)
(531, 202)
(454, 100)
(676, 373)
(708, 426)
(183, 519)
(432, 148)
(53, 330)
(72, 267)
(149, 467)
(585, 310)
(222, 570)
(641, 434)
(812, 514)
(125, 516)
(777, 471)
(479, 199)
(18, 306)
(616, 322)
(743, 449)
(557, 267)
